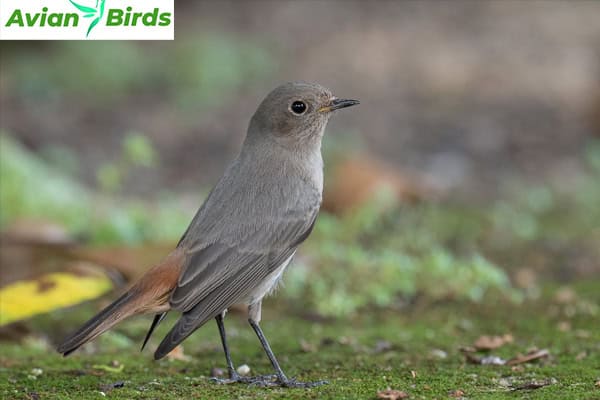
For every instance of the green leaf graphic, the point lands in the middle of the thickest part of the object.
(83, 8)
(93, 24)
(97, 19)
(88, 15)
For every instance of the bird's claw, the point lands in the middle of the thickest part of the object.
(249, 380)
(292, 383)
(267, 381)
(288, 383)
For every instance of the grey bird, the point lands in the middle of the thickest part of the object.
(244, 235)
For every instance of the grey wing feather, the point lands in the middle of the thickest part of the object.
(218, 275)
(218, 300)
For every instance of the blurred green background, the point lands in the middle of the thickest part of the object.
(479, 129)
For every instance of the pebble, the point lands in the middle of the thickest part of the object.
(243, 370)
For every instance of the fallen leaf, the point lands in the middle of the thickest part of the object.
(109, 368)
(535, 384)
(391, 394)
(531, 356)
(413, 374)
(487, 342)
(178, 354)
(24, 299)
(456, 393)
(355, 180)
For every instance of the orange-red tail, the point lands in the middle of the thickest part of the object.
(149, 295)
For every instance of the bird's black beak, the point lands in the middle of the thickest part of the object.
(336, 104)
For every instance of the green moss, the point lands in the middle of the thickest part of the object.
(358, 356)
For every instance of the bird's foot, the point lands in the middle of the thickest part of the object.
(260, 380)
(267, 381)
(289, 383)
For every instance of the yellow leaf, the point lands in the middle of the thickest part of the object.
(24, 299)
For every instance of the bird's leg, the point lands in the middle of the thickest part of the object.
(233, 375)
(282, 380)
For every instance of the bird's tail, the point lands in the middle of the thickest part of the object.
(106, 319)
(149, 295)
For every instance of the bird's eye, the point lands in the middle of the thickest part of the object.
(298, 107)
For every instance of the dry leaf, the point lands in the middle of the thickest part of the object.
(391, 394)
(413, 374)
(597, 384)
(355, 180)
(536, 384)
(486, 342)
(531, 356)
(177, 354)
(456, 393)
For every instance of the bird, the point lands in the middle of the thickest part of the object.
(243, 236)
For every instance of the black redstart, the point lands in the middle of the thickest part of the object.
(244, 235)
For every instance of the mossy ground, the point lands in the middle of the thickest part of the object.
(359, 356)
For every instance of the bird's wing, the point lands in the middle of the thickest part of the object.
(220, 274)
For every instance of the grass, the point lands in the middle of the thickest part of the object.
(359, 356)
(397, 288)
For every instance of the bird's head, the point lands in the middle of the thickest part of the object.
(296, 113)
